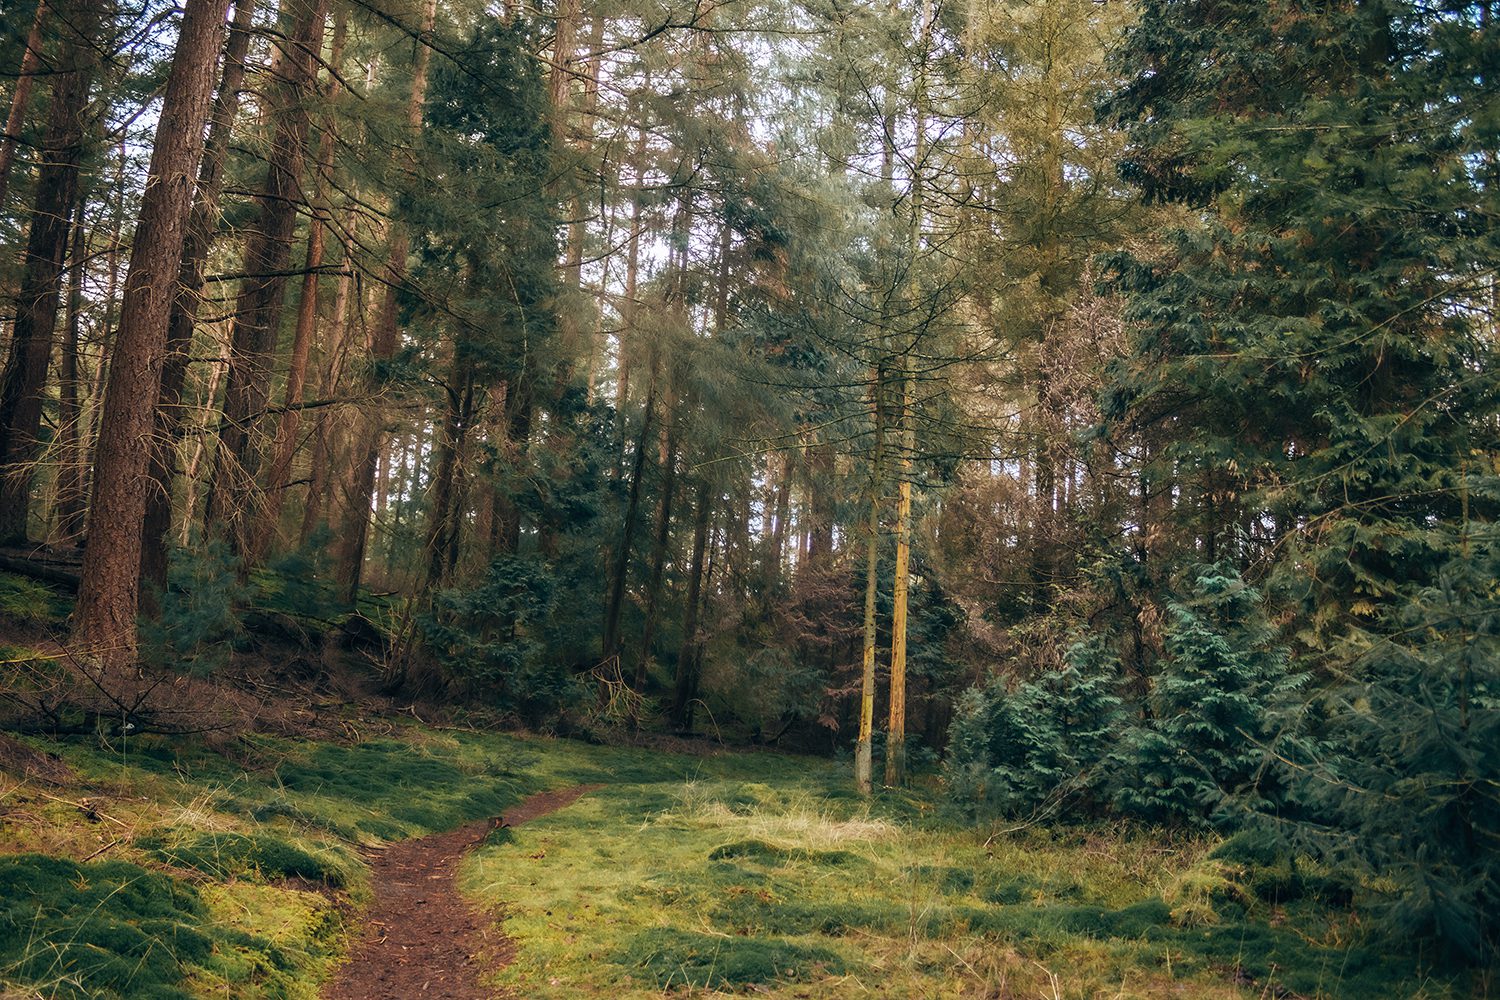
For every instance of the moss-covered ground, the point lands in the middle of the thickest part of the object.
(169, 868)
(765, 875)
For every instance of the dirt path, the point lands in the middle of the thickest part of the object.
(421, 939)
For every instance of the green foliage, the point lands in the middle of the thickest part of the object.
(299, 582)
(1207, 730)
(489, 639)
(30, 603)
(1039, 746)
(669, 957)
(200, 620)
(1398, 763)
(1310, 346)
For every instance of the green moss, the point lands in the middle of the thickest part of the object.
(225, 854)
(766, 853)
(748, 910)
(669, 957)
(104, 929)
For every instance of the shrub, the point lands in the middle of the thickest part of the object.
(1028, 750)
(1207, 729)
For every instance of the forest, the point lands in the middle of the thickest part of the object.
(973, 498)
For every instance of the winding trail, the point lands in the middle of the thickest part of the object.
(421, 939)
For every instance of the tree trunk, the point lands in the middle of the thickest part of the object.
(685, 690)
(863, 752)
(21, 97)
(383, 345)
(167, 437)
(442, 528)
(25, 375)
(71, 500)
(659, 550)
(104, 623)
(621, 568)
(234, 500)
(505, 519)
(895, 746)
(285, 445)
(895, 743)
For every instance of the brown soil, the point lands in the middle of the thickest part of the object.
(421, 939)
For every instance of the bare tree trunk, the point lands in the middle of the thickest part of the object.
(659, 549)
(157, 522)
(863, 748)
(71, 501)
(234, 500)
(685, 688)
(319, 478)
(629, 307)
(505, 519)
(895, 748)
(25, 375)
(285, 446)
(383, 345)
(621, 567)
(104, 622)
(21, 97)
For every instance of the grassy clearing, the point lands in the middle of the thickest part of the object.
(775, 880)
(170, 869)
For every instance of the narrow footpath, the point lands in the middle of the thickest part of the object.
(421, 938)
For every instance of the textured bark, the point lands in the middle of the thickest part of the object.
(442, 528)
(235, 499)
(25, 374)
(31, 59)
(895, 743)
(382, 347)
(157, 522)
(320, 478)
(505, 519)
(104, 623)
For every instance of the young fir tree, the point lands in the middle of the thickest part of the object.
(1207, 729)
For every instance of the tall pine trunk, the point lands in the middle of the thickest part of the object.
(383, 346)
(71, 500)
(285, 446)
(31, 59)
(157, 522)
(104, 623)
(234, 499)
(659, 549)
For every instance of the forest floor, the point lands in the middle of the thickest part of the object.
(252, 868)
